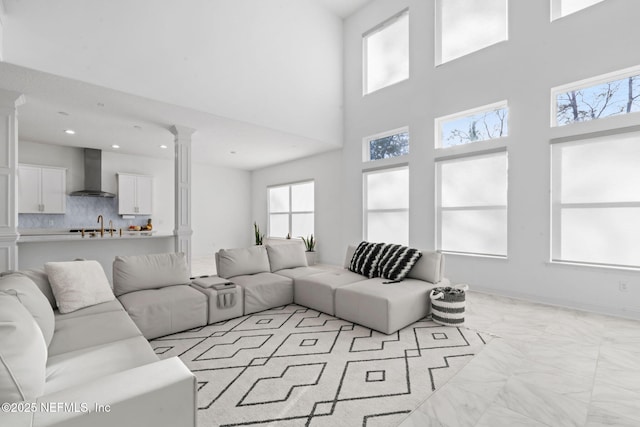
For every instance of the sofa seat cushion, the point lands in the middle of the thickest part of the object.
(90, 311)
(264, 290)
(140, 272)
(75, 333)
(79, 366)
(383, 307)
(294, 273)
(164, 311)
(33, 300)
(317, 291)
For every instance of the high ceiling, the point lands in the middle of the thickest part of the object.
(259, 80)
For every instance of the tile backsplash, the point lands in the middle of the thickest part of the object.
(81, 212)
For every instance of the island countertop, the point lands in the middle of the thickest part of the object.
(29, 236)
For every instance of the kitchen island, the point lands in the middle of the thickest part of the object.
(35, 248)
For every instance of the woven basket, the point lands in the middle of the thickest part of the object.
(448, 304)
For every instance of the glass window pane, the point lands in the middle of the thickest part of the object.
(279, 199)
(482, 126)
(598, 101)
(467, 26)
(389, 146)
(278, 225)
(388, 189)
(302, 197)
(388, 227)
(605, 236)
(301, 225)
(602, 171)
(475, 231)
(477, 181)
(387, 54)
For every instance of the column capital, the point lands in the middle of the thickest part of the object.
(181, 131)
(11, 99)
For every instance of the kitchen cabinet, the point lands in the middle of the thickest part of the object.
(42, 189)
(135, 194)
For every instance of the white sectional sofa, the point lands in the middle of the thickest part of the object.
(88, 367)
(272, 276)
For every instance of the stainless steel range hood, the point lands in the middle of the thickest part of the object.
(92, 175)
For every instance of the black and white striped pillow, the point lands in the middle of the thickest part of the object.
(396, 261)
(365, 259)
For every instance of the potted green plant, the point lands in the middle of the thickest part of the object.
(310, 246)
(259, 237)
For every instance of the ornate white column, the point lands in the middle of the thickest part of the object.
(9, 101)
(182, 202)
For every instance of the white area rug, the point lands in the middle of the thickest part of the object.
(293, 366)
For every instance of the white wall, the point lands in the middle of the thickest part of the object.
(55, 155)
(538, 56)
(326, 171)
(221, 215)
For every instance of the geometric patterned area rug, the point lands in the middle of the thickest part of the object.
(293, 366)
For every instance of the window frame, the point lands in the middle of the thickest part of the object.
(366, 141)
(365, 57)
(365, 196)
(439, 208)
(290, 212)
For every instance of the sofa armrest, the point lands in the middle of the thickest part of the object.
(154, 395)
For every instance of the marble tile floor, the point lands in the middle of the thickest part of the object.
(551, 367)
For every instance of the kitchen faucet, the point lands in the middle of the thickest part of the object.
(101, 221)
(111, 228)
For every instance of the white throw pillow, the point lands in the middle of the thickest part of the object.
(33, 300)
(238, 262)
(78, 284)
(286, 256)
(23, 352)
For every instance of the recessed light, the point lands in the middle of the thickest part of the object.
(115, 146)
(70, 131)
(232, 152)
(163, 146)
(100, 104)
(137, 127)
(63, 113)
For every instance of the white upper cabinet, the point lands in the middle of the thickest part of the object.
(41, 189)
(135, 194)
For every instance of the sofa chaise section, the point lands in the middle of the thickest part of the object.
(389, 306)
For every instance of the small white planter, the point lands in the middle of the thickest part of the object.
(311, 257)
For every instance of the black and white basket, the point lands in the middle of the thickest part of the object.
(448, 304)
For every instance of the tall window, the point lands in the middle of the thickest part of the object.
(596, 98)
(478, 124)
(386, 53)
(464, 26)
(386, 145)
(596, 200)
(386, 205)
(472, 204)
(560, 8)
(291, 210)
